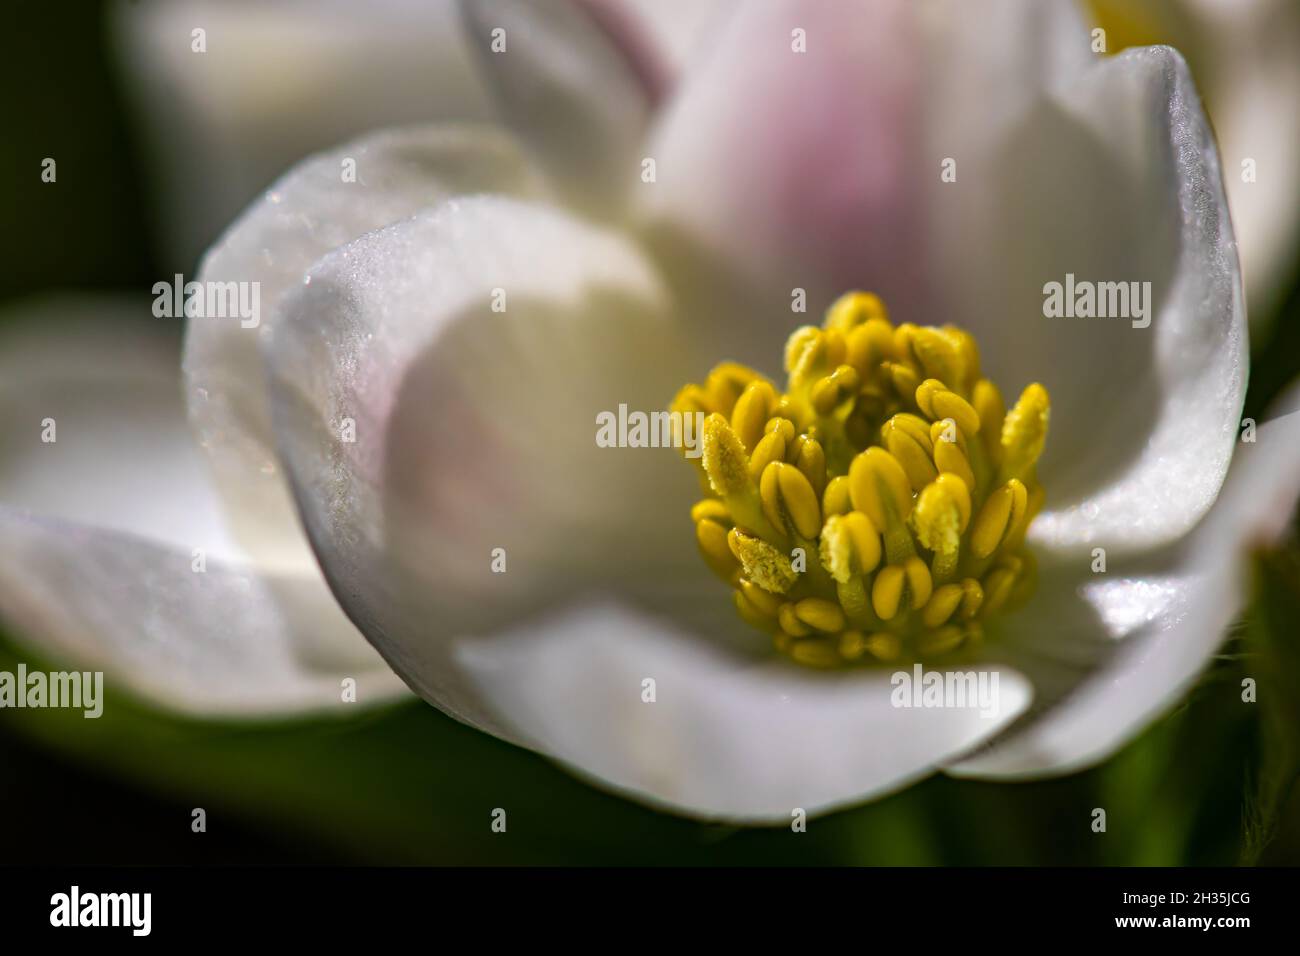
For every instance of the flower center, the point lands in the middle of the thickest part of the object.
(876, 510)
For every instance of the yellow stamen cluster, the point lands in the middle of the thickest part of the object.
(876, 510)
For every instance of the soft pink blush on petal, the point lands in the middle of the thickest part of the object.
(807, 160)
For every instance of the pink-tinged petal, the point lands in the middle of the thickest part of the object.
(437, 385)
(779, 169)
(311, 210)
(577, 82)
(113, 555)
(679, 32)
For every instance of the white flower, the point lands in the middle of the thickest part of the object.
(473, 428)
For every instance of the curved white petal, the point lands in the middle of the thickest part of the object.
(577, 82)
(437, 385)
(727, 735)
(1116, 179)
(322, 203)
(102, 527)
(680, 30)
(827, 175)
(805, 148)
(279, 79)
(1119, 649)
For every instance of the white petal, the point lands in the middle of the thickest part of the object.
(1108, 655)
(728, 735)
(680, 30)
(815, 170)
(100, 529)
(576, 85)
(1123, 185)
(307, 213)
(112, 402)
(279, 79)
(1101, 169)
(475, 428)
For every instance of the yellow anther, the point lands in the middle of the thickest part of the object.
(884, 646)
(853, 596)
(945, 431)
(750, 613)
(870, 344)
(771, 447)
(818, 355)
(997, 588)
(991, 523)
(887, 591)
(854, 308)
(800, 500)
(829, 392)
(1024, 431)
(725, 383)
(959, 494)
(811, 460)
(752, 411)
(691, 399)
(987, 402)
(782, 425)
(903, 341)
(850, 545)
(941, 641)
(904, 379)
(798, 342)
(942, 605)
(941, 513)
(946, 404)
(814, 653)
(712, 539)
(968, 351)
(820, 614)
(765, 602)
(790, 622)
(852, 645)
(919, 583)
(789, 500)
(937, 355)
(725, 461)
(1019, 507)
(924, 395)
(764, 565)
(834, 347)
(835, 500)
(711, 509)
(911, 455)
(949, 458)
(879, 486)
(972, 598)
(912, 425)
(895, 463)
